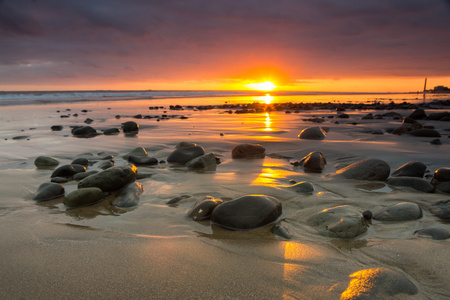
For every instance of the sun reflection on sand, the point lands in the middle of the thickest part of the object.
(270, 174)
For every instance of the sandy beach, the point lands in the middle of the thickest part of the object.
(154, 251)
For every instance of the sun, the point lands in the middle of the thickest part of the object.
(265, 86)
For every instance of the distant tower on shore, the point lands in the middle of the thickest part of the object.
(424, 89)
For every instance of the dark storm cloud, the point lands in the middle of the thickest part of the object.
(191, 40)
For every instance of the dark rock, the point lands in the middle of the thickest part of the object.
(369, 169)
(106, 164)
(409, 120)
(56, 128)
(247, 212)
(130, 127)
(441, 209)
(438, 115)
(84, 132)
(418, 114)
(139, 151)
(434, 233)
(49, 191)
(414, 182)
(183, 155)
(341, 221)
(314, 162)
(248, 151)
(411, 169)
(281, 231)
(68, 171)
(436, 142)
(203, 208)
(302, 187)
(404, 128)
(142, 160)
(83, 197)
(88, 121)
(424, 133)
(45, 161)
(404, 211)
(59, 179)
(205, 162)
(129, 195)
(313, 133)
(442, 175)
(379, 283)
(110, 179)
(81, 161)
(185, 145)
(111, 131)
(175, 200)
(367, 214)
(80, 176)
(343, 116)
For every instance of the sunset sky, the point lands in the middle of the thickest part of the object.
(304, 45)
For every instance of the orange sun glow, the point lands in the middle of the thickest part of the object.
(266, 86)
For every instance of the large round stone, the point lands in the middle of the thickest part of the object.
(83, 197)
(313, 133)
(139, 151)
(314, 162)
(129, 196)
(424, 133)
(185, 154)
(49, 191)
(411, 169)
(247, 212)
(434, 233)
(413, 182)
(110, 179)
(342, 221)
(130, 127)
(441, 209)
(404, 211)
(442, 174)
(45, 161)
(369, 169)
(248, 151)
(84, 131)
(68, 171)
(379, 283)
(203, 208)
(205, 162)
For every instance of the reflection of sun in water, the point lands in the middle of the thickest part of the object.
(267, 99)
(262, 86)
(268, 123)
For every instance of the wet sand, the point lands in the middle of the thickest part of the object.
(155, 251)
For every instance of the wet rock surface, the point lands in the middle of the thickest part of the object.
(313, 133)
(248, 151)
(48, 191)
(341, 221)
(247, 212)
(185, 154)
(404, 211)
(110, 179)
(128, 196)
(369, 169)
(83, 197)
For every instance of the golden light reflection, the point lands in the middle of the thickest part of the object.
(262, 86)
(269, 175)
(267, 99)
(268, 123)
(362, 283)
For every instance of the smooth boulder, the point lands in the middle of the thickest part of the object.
(313, 133)
(404, 211)
(185, 154)
(68, 171)
(130, 128)
(248, 151)
(424, 133)
(418, 184)
(378, 283)
(142, 160)
(203, 208)
(314, 162)
(48, 191)
(45, 161)
(247, 212)
(83, 197)
(84, 132)
(369, 169)
(441, 180)
(342, 221)
(434, 233)
(205, 162)
(110, 179)
(139, 151)
(441, 209)
(128, 196)
(303, 187)
(411, 169)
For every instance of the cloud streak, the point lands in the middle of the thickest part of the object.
(112, 41)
